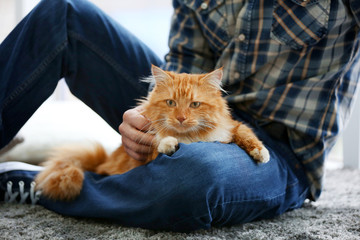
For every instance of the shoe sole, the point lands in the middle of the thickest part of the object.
(12, 166)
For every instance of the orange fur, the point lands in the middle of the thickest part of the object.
(63, 174)
(182, 108)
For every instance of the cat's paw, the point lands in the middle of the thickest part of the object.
(60, 184)
(168, 145)
(261, 155)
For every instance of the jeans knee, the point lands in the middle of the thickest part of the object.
(62, 8)
(202, 174)
(202, 170)
(213, 161)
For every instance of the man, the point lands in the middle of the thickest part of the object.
(290, 70)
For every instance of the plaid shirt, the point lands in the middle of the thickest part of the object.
(292, 62)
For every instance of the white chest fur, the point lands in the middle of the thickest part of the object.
(220, 134)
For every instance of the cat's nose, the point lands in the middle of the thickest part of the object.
(181, 119)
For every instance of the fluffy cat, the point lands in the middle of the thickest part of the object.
(182, 108)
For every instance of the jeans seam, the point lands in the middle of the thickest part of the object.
(105, 57)
(38, 70)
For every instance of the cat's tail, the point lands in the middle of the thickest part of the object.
(63, 175)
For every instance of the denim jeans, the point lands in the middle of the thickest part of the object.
(199, 186)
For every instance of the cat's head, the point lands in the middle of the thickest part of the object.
(185, 103)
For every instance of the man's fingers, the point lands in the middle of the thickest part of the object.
(136, 156)
(128, 131)
(135, 147)
(136, 141)
(136, 119)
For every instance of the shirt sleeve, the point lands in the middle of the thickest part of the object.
(189, 49)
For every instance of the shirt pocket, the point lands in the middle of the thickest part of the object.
(300, 23)
(212, 18)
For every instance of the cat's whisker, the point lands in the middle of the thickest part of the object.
(207, 124)
(140, 140)
(164, 127)
(145, 126)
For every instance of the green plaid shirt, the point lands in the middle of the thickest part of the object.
(292, 62)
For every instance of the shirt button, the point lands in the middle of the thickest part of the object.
(237, 75)
(241, 37)
(204, 6)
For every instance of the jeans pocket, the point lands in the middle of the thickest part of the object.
(212, 18)
(300, 23)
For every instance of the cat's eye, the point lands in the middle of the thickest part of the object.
(195, 104)
(171, 103)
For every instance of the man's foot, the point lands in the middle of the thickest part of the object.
(16, 182)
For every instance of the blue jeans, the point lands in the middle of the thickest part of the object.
(201, 185)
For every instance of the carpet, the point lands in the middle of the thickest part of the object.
(336, 215)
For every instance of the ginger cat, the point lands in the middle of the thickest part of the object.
(182, 108)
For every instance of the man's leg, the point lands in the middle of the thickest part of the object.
(202, 184)
(199, 186)
(101, 62)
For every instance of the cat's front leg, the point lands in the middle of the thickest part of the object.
(244, 137)
(168, 145)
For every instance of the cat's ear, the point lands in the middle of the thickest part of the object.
(159, 74)
(214, 78)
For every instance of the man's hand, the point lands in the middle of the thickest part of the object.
(133, 130)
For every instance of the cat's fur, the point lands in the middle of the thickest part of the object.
(182, 108)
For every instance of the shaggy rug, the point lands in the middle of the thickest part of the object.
(335, 216)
